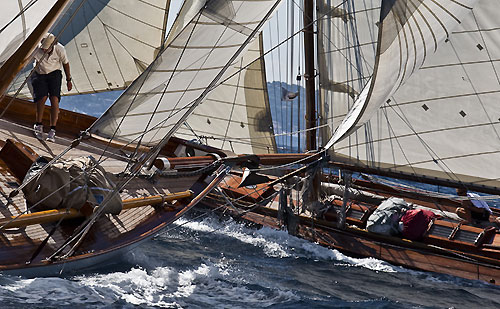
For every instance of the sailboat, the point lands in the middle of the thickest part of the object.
(198, 108)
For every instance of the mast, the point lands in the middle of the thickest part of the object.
(309, 75)
(19, 59)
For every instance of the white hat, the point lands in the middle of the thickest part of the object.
(48, 40)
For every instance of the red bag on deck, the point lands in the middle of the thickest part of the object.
(415, 223)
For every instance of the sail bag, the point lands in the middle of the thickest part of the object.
(70, 184)
(385, 219)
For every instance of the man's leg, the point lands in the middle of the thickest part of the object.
(54, 115)
(54, 110)
(40, 106)
(38, 127)
(54, 96)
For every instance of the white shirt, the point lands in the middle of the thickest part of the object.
(479, 203)
(51, 62)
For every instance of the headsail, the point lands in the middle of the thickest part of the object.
(195, 61)
(236, 116)
(17, 21)
(109, 43)
(347, 39)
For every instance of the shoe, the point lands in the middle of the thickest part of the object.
(38, 131)
(51, 137)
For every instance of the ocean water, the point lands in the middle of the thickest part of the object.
(212, 263)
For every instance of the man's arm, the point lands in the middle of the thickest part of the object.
(69, 85)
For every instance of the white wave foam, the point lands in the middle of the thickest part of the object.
(279, 244)
(212, 285)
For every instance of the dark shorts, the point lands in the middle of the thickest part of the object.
(46, 85)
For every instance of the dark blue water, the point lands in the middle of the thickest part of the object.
(208, 263)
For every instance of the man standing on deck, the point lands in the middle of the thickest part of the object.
(50, 56)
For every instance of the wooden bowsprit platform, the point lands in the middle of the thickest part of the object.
(110, 236)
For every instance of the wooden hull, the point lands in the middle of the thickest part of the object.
(458, 257)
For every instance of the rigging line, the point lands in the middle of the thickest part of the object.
(21, 13)
(232, 105)
(391, 134)
(198, 138)
(283, 123)
(276, 126)
(429, 150)
(281, 166)
(31, 73)
(23, 18)
(480, 31)
(274, 135)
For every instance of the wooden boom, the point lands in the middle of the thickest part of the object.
(56, 214)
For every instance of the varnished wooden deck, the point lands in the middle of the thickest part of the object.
(109, 233)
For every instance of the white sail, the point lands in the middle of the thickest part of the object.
(17, 20)
(445, 121)
(347, 38)
(408, 32)
(193, 63)
(109, 43)
(236, 116)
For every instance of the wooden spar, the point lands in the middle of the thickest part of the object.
(20, 58)
(56, 214)
(309, 75)
(286, 158)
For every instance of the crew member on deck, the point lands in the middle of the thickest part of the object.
(473, 210)
(50, 57)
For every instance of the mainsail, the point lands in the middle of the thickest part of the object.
(443, 122)
(195, 61)
(408, 31)
(109, 42)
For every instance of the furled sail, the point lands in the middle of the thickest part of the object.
(236, 116)
(109, 43)
(347, 38)
(194, 62)
(445, 120)
(17, 21)
(408, 32)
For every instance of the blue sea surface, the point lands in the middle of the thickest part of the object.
(211, 263)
